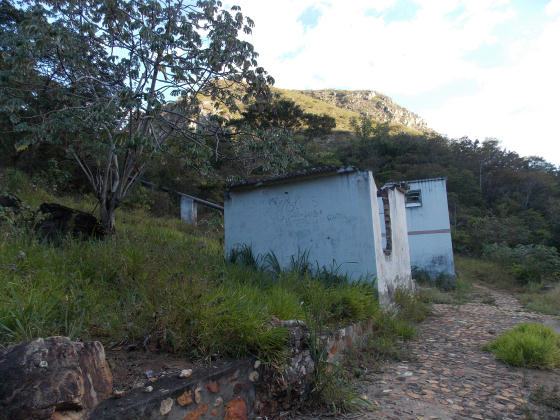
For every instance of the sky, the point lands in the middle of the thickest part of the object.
(477, 68)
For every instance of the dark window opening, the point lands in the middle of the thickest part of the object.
(387, 220)
(413, 198)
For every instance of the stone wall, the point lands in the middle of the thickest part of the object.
(227, 392)
(57, 378)
(241, 389)
(347, 338)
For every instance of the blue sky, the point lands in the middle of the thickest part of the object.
(482, 68)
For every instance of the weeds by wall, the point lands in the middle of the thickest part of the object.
(160, 283)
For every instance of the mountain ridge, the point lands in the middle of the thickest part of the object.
(355, 103)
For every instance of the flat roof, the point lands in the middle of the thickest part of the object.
(441, 178)
(296, 176)
(402, 183)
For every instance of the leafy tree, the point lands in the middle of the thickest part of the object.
(279, 113)
(318, 125)
(494, 194)
(99, 77)
(285, 114)
(270, 151)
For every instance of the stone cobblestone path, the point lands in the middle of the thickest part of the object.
(449, 376)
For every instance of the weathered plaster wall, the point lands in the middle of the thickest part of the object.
(189, 210)
(330, 217)
(393, 268)
(334, 218)
(429, 228)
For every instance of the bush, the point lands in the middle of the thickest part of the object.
(442, 281)
(528, 345)
(527, 263)
(410, 307)
(543, 301)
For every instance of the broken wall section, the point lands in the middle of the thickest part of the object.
(391, 242)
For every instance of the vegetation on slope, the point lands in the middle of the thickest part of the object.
(342, 116)
(161, 282)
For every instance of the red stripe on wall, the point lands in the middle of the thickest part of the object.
(428, 232)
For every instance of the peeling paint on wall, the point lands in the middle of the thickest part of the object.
(332, 217)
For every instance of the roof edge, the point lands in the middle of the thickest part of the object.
(312, 173)
(440, 178)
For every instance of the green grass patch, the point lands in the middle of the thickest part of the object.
(335, 385)
(443, 289)
(473, 270)
(528, 345)
(547, 396)
(543, 301)
(534, 296)
(410, 307)
(161, 282)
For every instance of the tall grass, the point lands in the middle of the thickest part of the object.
(474, 270)
(163, 283)
(543, 301)
(534, 296)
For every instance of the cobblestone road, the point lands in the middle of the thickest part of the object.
(451, 377)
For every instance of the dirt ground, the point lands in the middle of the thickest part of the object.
(135, 368)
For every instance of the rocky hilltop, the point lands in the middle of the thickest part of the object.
(375, 105)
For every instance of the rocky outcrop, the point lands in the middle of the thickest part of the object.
(53, 378)
(59, 220)
(373, 104)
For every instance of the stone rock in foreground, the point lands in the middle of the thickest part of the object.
(53, 378)
(60, 220)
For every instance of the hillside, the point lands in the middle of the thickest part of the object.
(343, 105)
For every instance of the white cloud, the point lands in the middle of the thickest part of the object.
(350, 47)
(553, 8)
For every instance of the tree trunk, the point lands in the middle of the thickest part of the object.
(107, 213)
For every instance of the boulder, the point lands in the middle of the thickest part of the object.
(11, 202)
(59, 220)
(53, 378)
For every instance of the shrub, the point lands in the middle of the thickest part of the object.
(528, 345)
(527, 263)
(543, 301)
(442, 281)
(410, 307)
(472, 270)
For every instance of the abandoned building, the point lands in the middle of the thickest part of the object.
(329, 214)
(429, 233)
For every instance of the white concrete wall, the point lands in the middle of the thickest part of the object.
(429, 229)
(393, 268)
(334, 218)
(329, 217)
(189, 210)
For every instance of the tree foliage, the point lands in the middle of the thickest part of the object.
(286, 114)
(495, 195)
(101, 78)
